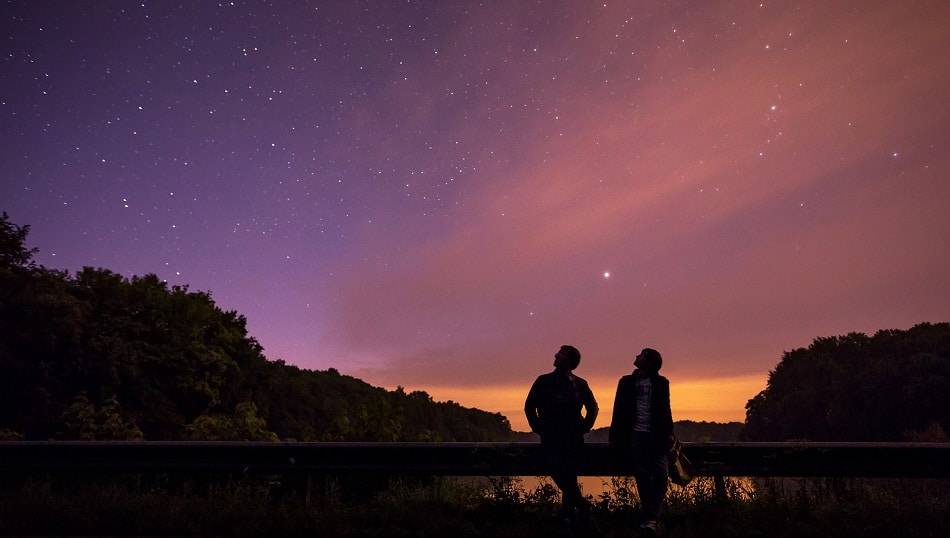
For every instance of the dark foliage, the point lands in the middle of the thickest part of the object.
(889, 387)
(447, 506)
(690, 431)
(100, 356)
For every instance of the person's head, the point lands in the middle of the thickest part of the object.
(567, 357)
(649, 360)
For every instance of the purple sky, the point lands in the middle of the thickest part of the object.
(438, 197)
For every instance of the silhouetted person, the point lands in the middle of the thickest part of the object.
(642, 430)
(553, 408)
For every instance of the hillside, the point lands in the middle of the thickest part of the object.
(99, 356)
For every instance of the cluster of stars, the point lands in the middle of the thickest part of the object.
(435, 165)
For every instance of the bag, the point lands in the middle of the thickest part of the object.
(682, 470)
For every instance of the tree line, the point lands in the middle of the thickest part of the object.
(96, 355)
(892, 386)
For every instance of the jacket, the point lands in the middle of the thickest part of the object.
(554, 403)
(625, 411)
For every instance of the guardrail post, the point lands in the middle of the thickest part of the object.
(719, 482)
(309, 487)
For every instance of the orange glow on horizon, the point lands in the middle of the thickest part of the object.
(710, 400)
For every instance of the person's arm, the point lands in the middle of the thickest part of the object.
(531, 404)
(590, 405)
(665, 422)
(667, 417)
(619, 432)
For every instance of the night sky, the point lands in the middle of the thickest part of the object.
(437, 195)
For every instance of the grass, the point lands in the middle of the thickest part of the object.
(459, 508)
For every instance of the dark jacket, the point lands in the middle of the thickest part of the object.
(554, 404)
(625, 411)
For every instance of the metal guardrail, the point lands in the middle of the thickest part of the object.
(898, 460)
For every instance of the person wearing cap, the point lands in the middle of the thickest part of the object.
(561, 408)
(642, 430)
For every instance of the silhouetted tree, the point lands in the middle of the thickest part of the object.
(13, 251)
(888, 387)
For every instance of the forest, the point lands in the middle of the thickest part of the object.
(891, 386)
(96, 355)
